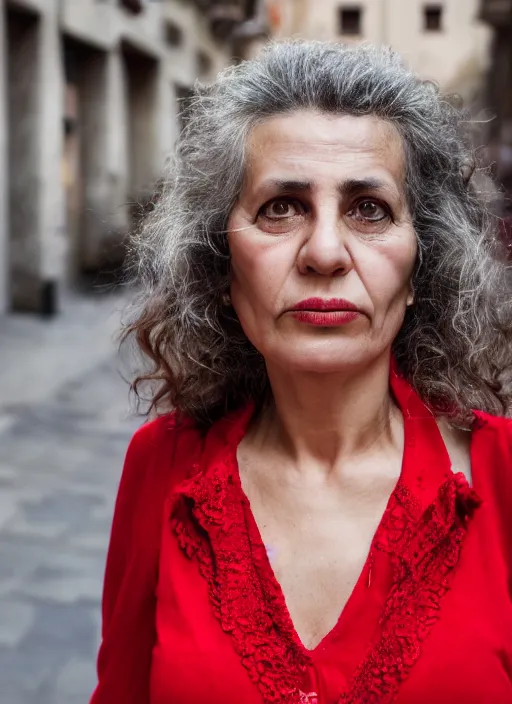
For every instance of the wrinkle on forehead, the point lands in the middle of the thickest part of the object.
(294, 146)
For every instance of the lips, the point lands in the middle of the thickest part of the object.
(325, 312)
(325, 305)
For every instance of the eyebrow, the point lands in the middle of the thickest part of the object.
(350, 187)
(354, 186)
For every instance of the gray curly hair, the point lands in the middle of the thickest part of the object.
(455, 343)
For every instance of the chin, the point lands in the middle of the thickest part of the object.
(328, 359)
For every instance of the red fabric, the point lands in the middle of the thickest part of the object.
(193, 614)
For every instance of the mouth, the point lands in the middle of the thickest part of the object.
(326, 305)
(323, 312)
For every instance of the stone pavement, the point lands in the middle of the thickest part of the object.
(64, 428)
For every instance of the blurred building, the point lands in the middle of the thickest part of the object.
(89, 108)
(498, 15)
(444, 41)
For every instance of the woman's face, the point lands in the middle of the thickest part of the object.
(321, 240)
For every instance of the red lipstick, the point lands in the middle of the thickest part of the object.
(325, 312)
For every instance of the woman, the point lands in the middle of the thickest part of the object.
(326, 516)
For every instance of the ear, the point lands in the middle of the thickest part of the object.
(410, 295)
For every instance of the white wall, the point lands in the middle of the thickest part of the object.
(456, 58)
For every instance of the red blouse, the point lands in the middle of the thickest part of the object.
(193, 614)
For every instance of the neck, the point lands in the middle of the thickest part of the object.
(329, 417)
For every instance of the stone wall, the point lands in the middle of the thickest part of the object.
(88, 113)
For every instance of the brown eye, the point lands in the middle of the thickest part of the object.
(280, 209)
(370, 210)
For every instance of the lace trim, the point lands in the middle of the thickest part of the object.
(209, 524)
(225, 561)
(424, 557)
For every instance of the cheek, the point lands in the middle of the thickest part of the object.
(249, 277)
(388, 276)
(258, 269)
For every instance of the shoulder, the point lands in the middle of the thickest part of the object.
(489, 444)
(492, 453)
(159, 430)
(156, 455)
(495, 430)
(163, 450)
(152, 435)
(491, 450)
(156, 439)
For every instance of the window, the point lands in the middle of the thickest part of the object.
(433, 18)
(204, 63)
(134, 6)
(350, 20)
(173, 34)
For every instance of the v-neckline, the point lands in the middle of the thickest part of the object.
(426, 522)
(271, 585)
(412, 410)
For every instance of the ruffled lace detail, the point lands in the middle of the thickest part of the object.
(424, 551)
(209, 522)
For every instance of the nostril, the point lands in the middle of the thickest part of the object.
(340, 271)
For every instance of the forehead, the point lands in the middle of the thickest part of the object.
(304, 143)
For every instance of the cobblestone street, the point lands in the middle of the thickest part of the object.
(64, 428)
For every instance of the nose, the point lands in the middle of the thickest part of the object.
(324, 250)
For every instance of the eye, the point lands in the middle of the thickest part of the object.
(370, 211)
(280, 209)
